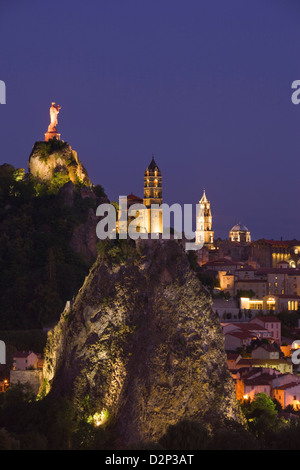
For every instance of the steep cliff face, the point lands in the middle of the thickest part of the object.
(56, 159)
(84, 239)
(56, 166)
(142, 343)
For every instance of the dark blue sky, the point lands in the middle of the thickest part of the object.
(204, 85)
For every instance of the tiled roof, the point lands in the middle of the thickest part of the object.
(267, 347)
(240, 334)
(224, 262)
(261, 361)
(22, 353)
(232, 356)
(285, 386)
(133, 197)
(291, 271)
(266, 319)
(250, 326)
(263, 379)
(283, 243)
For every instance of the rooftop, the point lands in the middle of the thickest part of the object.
(22, 354)
(239, 228)
(133, 197)
(266, 319)
(282, 243)
(289, 385)
(224, 262)
(292, 271)
(153, 165)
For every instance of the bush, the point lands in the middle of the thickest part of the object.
(185, 435)
(7, 442)
(117, 251)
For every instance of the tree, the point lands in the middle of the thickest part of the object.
(232, 436)
(185, 435)
(262, 416)
(7, 442)
(245, 293)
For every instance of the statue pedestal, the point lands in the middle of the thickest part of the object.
(52, 134)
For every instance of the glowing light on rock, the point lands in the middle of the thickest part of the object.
(100, 418)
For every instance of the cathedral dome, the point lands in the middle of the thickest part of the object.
(239, 228)
(240, 233)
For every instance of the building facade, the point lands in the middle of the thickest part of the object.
(272, 253)
(153, 214)
(143, 215)
(204, 232)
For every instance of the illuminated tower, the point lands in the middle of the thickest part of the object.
(204, 231)
(153, 221)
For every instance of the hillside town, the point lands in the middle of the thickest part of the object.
(256, 295)
(254, 287)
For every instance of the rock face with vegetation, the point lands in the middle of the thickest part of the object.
(140, 348)
(56, 160)
(47, 238)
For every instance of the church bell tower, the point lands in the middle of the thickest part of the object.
(204, 231)
(153, 196)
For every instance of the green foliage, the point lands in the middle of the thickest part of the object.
(192, 257)
(39, 271)
(118, 251)
(287, 437)
(89, 437)
(58, 180)
(262, 417)
(245, 293)
(51, 423)
(45, 149)
(14, 185)
(99, 191)
(185, 435)
(207, 279)
(194, 435)
(289, 319)
(8, 442)
(47, 424)
(232, 436)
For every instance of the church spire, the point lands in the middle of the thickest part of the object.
(153, 196)
(204, 223)
(204, 198)
(153, 164)
(152, 184)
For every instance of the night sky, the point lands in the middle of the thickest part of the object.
(205, 86)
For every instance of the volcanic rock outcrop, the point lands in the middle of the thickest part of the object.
(142, 343)
(56, 158)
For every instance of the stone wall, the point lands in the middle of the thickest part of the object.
(32, 377)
